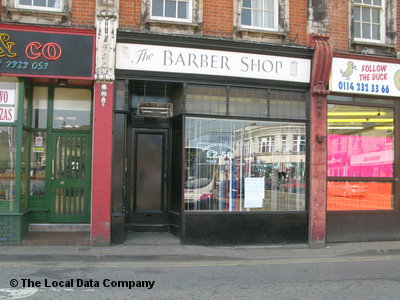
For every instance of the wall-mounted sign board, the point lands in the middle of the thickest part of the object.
(31, 51)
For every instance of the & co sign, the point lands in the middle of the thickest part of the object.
(46, 53)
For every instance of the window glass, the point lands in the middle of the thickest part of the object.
(9, 100)
(236, 165)
(8, 148)
(183, 10)
(356, 195)
(72, 108)
(157, 8)
(360, 141)
(246, 17)
(175, 9)
(38, 164)
(206, 99)
(39, 107)
(367, 20)
(170, 9)
(250, 102)
(40, 4)
(360, 144)
(259, 13)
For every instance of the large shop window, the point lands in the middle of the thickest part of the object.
(237, 165)
(360, 157)
(8, 158)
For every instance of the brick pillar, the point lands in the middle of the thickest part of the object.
(321, 66)
(101, 165)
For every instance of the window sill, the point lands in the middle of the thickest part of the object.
(36, 16)
(373, 48)
(255, 34)
(169, 26)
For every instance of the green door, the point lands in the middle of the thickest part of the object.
(70, 177)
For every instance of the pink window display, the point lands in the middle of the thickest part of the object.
(360, 156)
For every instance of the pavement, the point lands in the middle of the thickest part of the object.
(165, 247)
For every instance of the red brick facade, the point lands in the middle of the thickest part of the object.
(130, 14)
(298, 22)
(338, 28)
(83, 13)
(215, 22)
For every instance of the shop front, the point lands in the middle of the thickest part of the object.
(210, 140)
(46, 88)
(363, 142)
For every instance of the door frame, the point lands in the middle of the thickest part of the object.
(45, 203)
(131, 184)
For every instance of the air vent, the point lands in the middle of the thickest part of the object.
(155, 110)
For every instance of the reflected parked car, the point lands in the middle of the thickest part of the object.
(347, 189)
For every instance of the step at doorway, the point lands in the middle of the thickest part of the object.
(57, 235)
(151, 239)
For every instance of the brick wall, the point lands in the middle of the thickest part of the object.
(298, 22)
(218, 18)
(12, 229)
(338, 27)
(130, 14)
(398, 26)
(83, 13)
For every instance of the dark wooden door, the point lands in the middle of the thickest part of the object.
(149, 177)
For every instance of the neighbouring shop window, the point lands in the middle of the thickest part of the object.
(360, 145)
(369, 20)
(38, 164)
(171, 9)
(8, 100)
(50, 5)
(39, 107)
(8, 154)
(236, 165)
(72, 108)
(261, 14)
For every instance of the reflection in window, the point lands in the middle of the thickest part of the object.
(267, 144)
(299, 143)
(8, 146)
(355, 195)
(72, 108)
(226, 168)
(360, 142)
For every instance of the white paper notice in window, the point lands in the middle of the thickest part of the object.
(253, 192)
